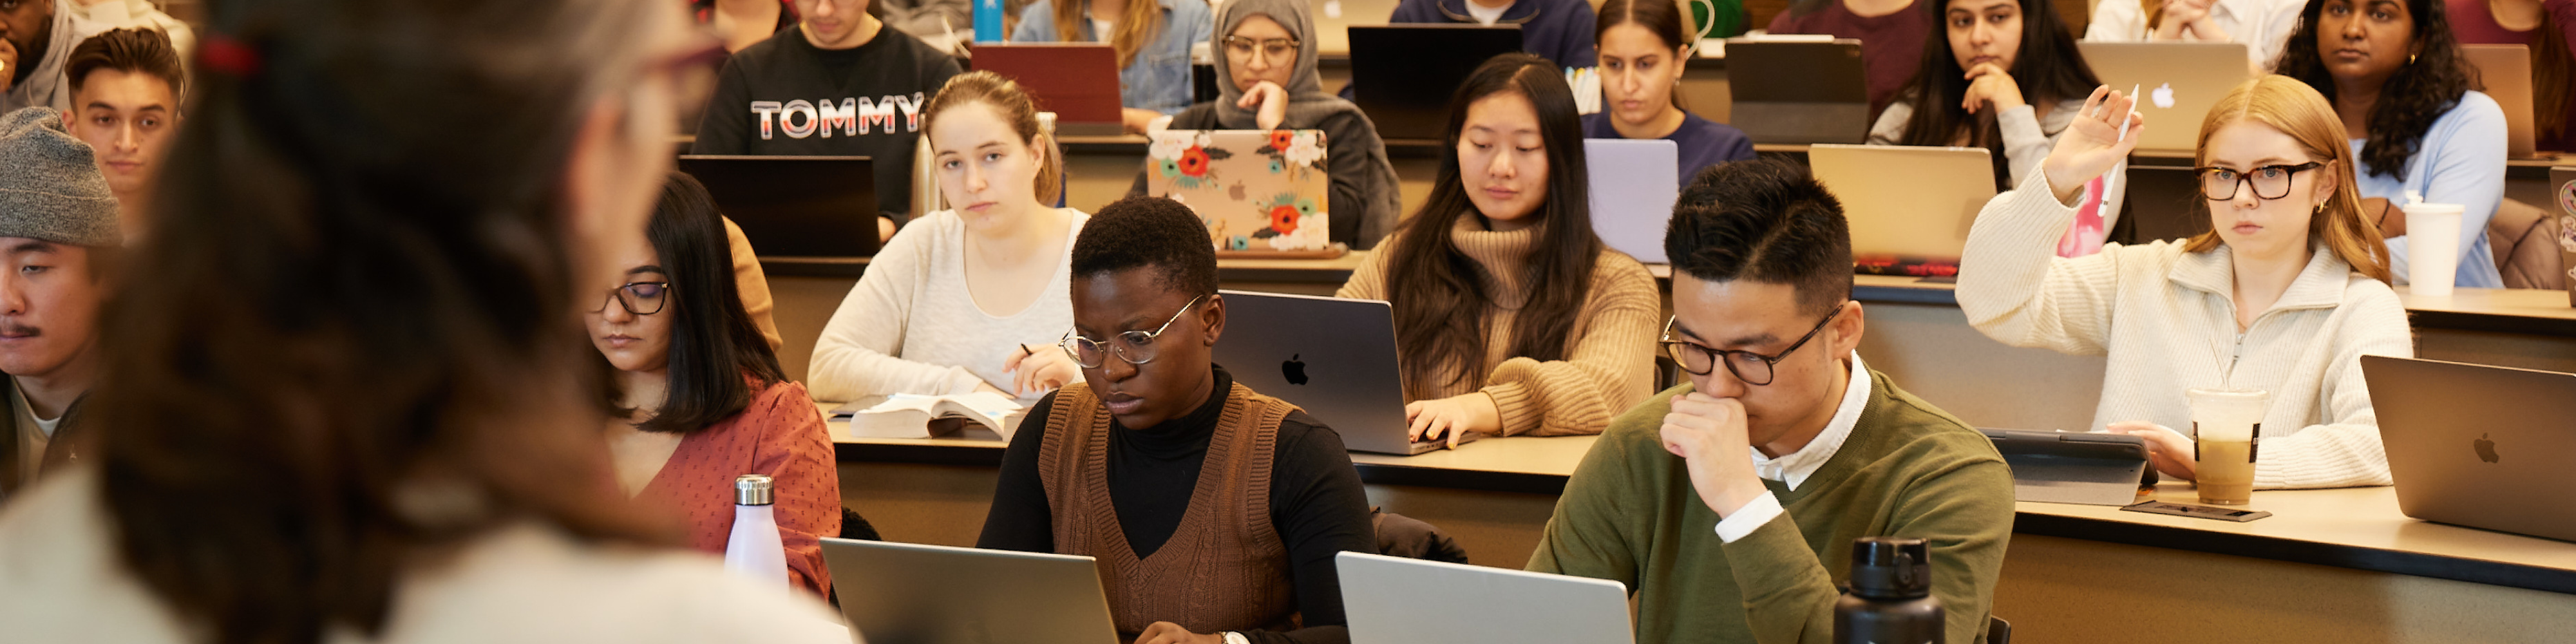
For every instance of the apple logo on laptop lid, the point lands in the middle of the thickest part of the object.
(2163, 96)
(1293, 369)
(2486, 448)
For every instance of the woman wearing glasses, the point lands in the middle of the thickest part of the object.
(697, 398)
(1214, 511)
(965, 299)
(2285, 294)
(1266, 48)
(1512, 317)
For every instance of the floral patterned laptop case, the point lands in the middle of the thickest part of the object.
(1257, 190)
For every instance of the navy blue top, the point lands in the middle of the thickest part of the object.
(1561, 30)
(1703, 142)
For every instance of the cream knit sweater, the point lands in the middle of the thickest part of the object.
(1609, 365)
(2166, 321)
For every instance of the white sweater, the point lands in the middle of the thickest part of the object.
(911, 327)
(523, 582)
(2166, 321)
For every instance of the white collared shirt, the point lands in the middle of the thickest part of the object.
(1793, 469)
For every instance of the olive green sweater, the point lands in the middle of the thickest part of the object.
(1630, 515)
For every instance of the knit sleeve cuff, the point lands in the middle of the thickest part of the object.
(1756, 513)
(1515, 405)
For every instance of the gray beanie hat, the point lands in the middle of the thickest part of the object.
(50, 186)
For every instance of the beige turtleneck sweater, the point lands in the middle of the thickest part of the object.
(1610, 361)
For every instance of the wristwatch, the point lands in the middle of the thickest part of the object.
(1232, 637)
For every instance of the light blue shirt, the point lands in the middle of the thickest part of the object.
(2461, 161)
(1159, 79)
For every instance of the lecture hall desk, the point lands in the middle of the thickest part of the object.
(2329, 566)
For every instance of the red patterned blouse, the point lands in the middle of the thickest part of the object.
(782, 435)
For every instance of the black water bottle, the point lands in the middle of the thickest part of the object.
(1890, 600)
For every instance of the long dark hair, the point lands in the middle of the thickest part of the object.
(2048, 69)
(2421, 91)
(1440, 302)
(350, 341)
(1663, 18)
(717, 354)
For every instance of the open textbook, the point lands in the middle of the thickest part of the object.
(924, 416)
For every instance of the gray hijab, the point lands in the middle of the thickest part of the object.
(1307, 102)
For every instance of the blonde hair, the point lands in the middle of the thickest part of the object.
(1144, 18)
(1015, 107)
(2285, 104)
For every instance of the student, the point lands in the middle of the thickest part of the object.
(1729, 503)
(2412, 114)
(126, 85)
(1891, 34)
(2002, 75)
(341, 403)
(966, 299)
(2261, 24)
(1643, 47)
(2548, 27)
(1267, 49)
(1514, 318)
(698, 398)
(841, 84)
(1553, 29)
(2285, 294)
(36, 37)
(58, 240)
(1107, 467)
(1151, 40)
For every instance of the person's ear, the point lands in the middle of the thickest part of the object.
(1212, 316)
(2326, 183)
(1681, 61)
(1847, 329)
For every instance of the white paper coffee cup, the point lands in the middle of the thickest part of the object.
(2432, 247)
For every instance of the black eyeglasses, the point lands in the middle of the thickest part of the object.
(2270, 182)
(1135, 347)
(640, 298)
(1752, 368)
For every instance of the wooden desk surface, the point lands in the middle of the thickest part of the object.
(2358, 528)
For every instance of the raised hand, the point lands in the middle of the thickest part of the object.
(2093, 143)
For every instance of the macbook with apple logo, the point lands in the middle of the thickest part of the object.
(2181, 81)
(1333, 357)
(2479, 446)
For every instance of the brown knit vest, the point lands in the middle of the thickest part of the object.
(1224, 569)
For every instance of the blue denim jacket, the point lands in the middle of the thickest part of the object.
(1159, 80)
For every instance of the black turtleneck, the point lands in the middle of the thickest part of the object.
(1316, 502)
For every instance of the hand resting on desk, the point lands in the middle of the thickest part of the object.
(2168, 450)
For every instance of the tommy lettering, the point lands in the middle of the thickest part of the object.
(767, 110)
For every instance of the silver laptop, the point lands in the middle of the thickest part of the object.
(1333, 357)
(2181, 82)
(2479, 446)
(1798, 91)
(1924, 211)
(1393, 600)
(901, 593)
(1634, 184)
(2506, 70)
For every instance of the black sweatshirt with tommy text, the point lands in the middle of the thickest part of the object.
(784, 96)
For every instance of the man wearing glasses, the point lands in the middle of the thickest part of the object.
(1729, 503)
(1214, 511)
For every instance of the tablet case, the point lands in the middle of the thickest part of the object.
(2071, 467)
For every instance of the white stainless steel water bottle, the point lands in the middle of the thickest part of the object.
(754, 548)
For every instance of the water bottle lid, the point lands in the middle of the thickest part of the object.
(1890, 568)
(751, 489)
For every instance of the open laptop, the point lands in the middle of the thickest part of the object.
(901, 593)
(1258, 191)
(2478, 446)
(1634, 184)
(1076, 81)
(2506, 70)
(1393, 600)
(1333, 357)
(1909, 207)
(1403, 75)
(794, 206)
(1798, 91)
(2181, 82)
